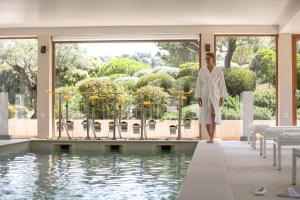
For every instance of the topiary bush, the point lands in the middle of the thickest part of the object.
(188, 71)
(265, 98)
(172, 71)
(156, 79)
(122, 66)
(104, 88)
(142, 72)
(238, 80)
(116, 76)
(155, 95)
(262, 113)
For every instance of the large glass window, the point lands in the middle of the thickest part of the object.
(108, 82)
(249, 64)
(18, 67)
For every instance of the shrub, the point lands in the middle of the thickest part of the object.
(116, 76)
(103, 88)
(239, 80)
(231, 108)
(262, 113)
(172, 71)
(153, 93)
(189, 65)
(170, 116)
(188, 71)
(156, 79)
(74, 102)
(122, 66)
(190, 111)
(263, 64)
(265, 98)
(187, 83)
(142, 72)
(21, 111)
(11, 111)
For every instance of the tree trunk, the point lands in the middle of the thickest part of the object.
(230, 50)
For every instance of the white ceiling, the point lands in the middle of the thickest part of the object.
(74, 13)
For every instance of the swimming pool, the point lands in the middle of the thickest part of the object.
(90, 175)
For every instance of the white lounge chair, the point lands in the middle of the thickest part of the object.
(274, 132)
(288, 139)
(256, 129)
(296, 154)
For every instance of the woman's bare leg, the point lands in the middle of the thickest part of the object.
(208, 128)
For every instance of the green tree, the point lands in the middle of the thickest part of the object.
(263, 64)
(21, 56)
(72, 64)
(174, 54)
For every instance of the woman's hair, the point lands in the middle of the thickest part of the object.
(212, 55)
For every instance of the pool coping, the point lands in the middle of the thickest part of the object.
(207, 176)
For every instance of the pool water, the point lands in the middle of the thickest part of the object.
(89, 175)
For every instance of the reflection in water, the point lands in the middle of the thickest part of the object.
(91, 175)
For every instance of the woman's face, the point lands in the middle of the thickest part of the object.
(209, 60)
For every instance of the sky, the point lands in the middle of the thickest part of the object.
(117, 49)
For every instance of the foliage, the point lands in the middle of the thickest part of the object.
(116, 76)
(190, 111)
(10, 81)
(11, 112)
(243, 55)
(239, 80)
(175, 53)
(188, 71)
(21, 56)
(186, 83)
(156, 79)
(187, 112)
(155, 95)
(263, 64)
(146, 58)
(122, 66)
(129, 86)
(298, 70)
(262, 113)
(265, 98)
(189, 64)
(142, 73)
(72, 64)
(172, 71)
(152, 93)
(102, 88)
(231, 108)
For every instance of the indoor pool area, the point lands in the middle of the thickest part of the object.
(91, 175)
(149, 100)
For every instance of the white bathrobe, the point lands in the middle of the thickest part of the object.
(210, 87)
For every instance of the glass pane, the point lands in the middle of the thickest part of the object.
(18, 67)
(249, 64)
(152, 74)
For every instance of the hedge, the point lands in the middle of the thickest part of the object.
(122, 66)
(239, 80)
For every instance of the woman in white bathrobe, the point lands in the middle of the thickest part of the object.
(210, 92)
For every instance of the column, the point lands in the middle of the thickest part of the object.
(44, 84)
